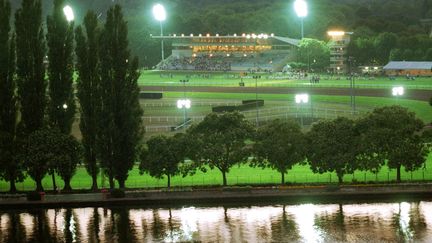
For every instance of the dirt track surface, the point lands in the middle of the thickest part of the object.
(421, 95)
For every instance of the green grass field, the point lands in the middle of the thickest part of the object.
(239, 175)
(244, 174)
(164, 78)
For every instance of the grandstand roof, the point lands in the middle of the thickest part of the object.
(246, 38)
(408, 65)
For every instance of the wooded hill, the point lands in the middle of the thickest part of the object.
(363, 17)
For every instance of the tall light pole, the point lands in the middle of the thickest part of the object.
(256, 99)
(300, 7)
(184, 104)
(352, 84)
(159, 14)
(301, 99)
(398, 91)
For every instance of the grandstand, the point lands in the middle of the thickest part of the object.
(245, 53)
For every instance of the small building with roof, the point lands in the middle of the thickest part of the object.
(403, 68)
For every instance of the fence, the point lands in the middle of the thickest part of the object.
(264, 115)
(285, 83)
(215, 178)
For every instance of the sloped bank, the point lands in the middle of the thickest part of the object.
(222, 195)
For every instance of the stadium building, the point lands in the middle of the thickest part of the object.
(246, 52)
(339, 41)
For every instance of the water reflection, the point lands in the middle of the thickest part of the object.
(383, 222)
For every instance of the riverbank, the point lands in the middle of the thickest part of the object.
(198, 196)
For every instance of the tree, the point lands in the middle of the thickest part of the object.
(164, 156)
(61, 106)
(332, 146)
(119, 114)
(279, 145)
(38, 154)
(88, 85)
(30, 50)
(362, 49)
(68, 155)
(220, 141)
(47, 148)
(10, 167)
(396, 54)
(314, 53)
(428, 55)
(384, 43)
(390, 133)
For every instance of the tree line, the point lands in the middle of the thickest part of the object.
(38, 104)
(368, 49)
(390, 136)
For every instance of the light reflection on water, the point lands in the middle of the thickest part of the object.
(388, 222)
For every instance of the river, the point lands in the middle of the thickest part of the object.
(348, 222)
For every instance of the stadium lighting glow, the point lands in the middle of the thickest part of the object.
(235, 34)
(300, 6)
(68, 12)
(265, 36)
(184, 103)
(398, 91)
(243, 34)
(65, 106)
(217, 34)
(208, 35)
(191, 35)
(200, 35)
(248, 36)
(254, 36)
(182, 35)
(336, 33)
(159, 12)
(301, 98)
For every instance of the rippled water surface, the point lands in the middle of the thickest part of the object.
(371, 222)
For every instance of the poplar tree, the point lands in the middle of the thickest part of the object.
(30, 51)
(61, 105)
(87, 90)
(119, 116)
(10, 168)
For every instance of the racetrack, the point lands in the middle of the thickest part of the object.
(411, 94)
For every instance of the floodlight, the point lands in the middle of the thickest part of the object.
(300, 6)
(65, 106)
(301, 98)
(398, 91)
(68, 12)
(335, 33)
(186, 103)
(159, 12)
